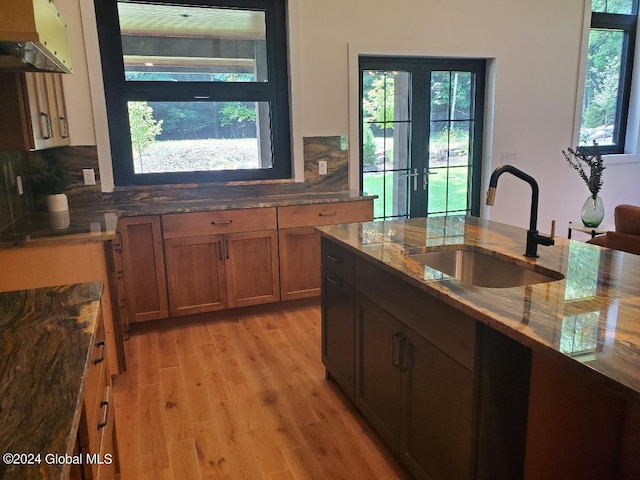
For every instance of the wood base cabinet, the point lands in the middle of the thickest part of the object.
(221, 259)
(143, 268)
(300, 242)
(338, 320)
(96, 433)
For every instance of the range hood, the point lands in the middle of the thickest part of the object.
(33, 37)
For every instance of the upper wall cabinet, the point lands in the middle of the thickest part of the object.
(32, 111)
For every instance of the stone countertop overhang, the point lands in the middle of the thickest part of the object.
(590, 320)
(46, 335)
(97, 222)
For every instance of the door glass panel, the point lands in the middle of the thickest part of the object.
(440, 95)
(608, 6)
(386, 145)
(461, 95)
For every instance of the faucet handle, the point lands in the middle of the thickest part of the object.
(553, 229)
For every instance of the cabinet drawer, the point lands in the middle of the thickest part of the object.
(96, 376)
(337, 260)
(176, 225)
(325, 214)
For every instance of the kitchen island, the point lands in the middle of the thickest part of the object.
(553, 379)
(48, 337)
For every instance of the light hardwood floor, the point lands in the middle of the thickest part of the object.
(239, 395)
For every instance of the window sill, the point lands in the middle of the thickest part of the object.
(621, 158)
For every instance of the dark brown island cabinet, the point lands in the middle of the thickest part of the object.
(428, 378)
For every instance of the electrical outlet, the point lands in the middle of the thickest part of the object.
(19, 183)
(322, 167)
(89, 176)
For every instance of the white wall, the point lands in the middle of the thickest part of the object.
(536, 47)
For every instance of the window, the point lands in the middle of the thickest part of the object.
(421, 135)
(196, 91)
(608, 74)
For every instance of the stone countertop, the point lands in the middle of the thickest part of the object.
(98, 221)
(46, 337)
(590, 320)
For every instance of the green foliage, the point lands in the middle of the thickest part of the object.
(236, 112)
(378, 99)
(369, 157)
(183, 120)
(144, 128)
(581, 161)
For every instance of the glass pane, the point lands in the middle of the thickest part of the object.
(458, 189)
(437, 198)
(391, 201)
(440, 95)
(192, 43)
(386, 97)
(200, 136)
(613, 6)
(461, 94)
(459, 141)
(599, 110)
(439, 144)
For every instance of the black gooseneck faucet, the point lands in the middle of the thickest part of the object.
(533, 237)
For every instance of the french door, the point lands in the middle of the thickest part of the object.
(421, 135)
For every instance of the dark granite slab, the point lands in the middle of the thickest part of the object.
(98, 221)
(46, 337)
(590, 320)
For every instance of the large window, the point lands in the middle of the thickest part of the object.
(608, 75)
(196, 91)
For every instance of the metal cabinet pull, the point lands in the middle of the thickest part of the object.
(219, 245)
(100, 359)
(334, 280)
(65, 128)
(334, 259)
(395, 349)
(329, 214)
(404, 354)
(222, 222)
(104, 404)
(47, 124)
(226, 242)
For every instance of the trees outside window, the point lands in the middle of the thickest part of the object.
(608, 74)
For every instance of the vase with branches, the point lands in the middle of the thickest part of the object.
(589, 165)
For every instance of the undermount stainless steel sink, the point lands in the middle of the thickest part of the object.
(483, 268)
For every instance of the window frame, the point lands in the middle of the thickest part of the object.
(627, 23)
(119, 91)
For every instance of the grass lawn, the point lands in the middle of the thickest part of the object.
(439, 198)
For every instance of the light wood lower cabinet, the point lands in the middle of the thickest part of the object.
(216, 260)
(96, 433)
(300, 242)
(143, 267)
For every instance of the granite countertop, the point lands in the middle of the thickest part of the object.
(46, 337)
(590, 320)
(97, 221)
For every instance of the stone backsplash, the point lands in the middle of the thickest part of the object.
(332, 149)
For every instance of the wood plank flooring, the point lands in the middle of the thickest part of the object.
(239, 395)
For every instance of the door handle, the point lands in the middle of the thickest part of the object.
(413, 175)
(395, 349)
(425, 177)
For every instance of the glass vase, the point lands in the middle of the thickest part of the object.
(592, 211)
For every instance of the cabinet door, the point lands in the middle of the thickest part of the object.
(251, 265)
(438, 411)
(40, 109)
(338, 330)
(195, 273)
(299, 262)
(143, 267)
(378, 378)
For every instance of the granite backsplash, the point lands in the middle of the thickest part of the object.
(332, 149)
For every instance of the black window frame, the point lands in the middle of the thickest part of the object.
(627, 23)
(118, 92)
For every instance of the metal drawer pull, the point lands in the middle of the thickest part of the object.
(222, 222)
(104, 351)
(330, 214)
(65, 128)
(334, 259)
(47, 125)
(334, 280)
(395, 349)
(104, 422)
